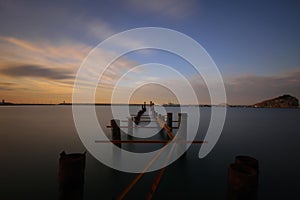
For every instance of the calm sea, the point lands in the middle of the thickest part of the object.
(31, 138)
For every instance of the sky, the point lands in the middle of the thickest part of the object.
(255, 45)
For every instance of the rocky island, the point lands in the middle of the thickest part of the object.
(284, 101)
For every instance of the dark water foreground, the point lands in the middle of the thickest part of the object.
(31, 139)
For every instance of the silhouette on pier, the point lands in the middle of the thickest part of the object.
(137, 118)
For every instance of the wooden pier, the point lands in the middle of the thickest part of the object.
(242, 175)
(159, 124)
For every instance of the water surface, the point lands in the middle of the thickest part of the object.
(31, 138)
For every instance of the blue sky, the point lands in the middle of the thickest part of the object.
(250, 41)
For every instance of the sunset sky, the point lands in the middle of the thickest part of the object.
(255, 44)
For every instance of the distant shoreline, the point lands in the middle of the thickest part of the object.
(108, 104)
(283, 101)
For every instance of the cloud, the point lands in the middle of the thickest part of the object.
(98, 29)
(37, 21)
(48, 69)
(39, 69)
(6, 86)
(10, 86)
(21, 43)
(40, 51)
(249, 89)
(36, 71)
(176, 9)
(66, 56)
(155, 92)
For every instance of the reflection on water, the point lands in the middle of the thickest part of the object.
(33, 137)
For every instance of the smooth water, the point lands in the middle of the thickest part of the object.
(31, 138)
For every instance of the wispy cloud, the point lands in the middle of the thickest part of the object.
(21, 43)
(176, 9)
(36, 71)
(51, 68)
(6, 86)
(98, 29)
(38, 66)
(249, 89)
(20, 50)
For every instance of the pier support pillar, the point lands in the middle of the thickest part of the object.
(130, 126)
(243, 178)
(179, 119)
(170, 120)
(115, 130)
(182, 134)
(71, 176)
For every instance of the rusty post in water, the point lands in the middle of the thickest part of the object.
(249, 161)
(115, 130)
(130, 126)
(179, 119)
(71, 176)
(182, 133)
(170, 121)
(243, 178)
(162, 131)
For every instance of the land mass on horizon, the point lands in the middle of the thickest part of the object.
(284, 101)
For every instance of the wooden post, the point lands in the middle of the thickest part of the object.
(144, 107)
(71, 176)
(182, 137)
(130, 126)
(170, 120)
(162, 130)
(242, 182)
(179, 119)
(249, 161)
(115, 130)
(243, 178)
